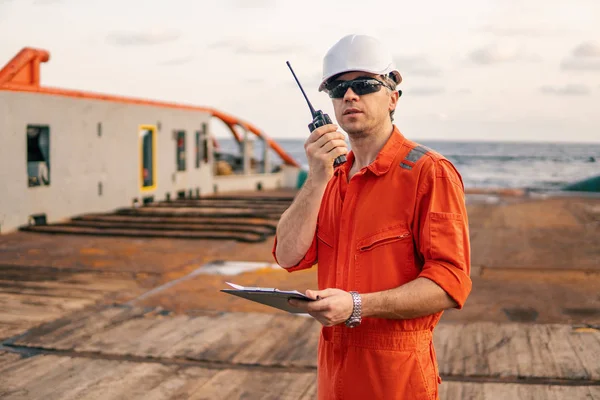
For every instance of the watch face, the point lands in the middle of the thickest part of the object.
(353, 323)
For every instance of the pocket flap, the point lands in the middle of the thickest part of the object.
(387, 235)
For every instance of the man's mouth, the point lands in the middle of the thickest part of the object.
(352, 111)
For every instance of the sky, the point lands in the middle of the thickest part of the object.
(486, 70)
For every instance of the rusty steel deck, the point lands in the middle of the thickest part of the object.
(87, 315)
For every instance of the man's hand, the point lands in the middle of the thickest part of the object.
(332, 306)
(322, 147)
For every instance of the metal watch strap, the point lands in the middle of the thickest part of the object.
(356, 316)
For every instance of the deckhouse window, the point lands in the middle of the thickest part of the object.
(38, 155)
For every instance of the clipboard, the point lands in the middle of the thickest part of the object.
(268, 296)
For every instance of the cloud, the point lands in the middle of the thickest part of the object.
(259, 4)
(584, 57)
(527, 31)
(176, 61)
(495, 54)
(424, 91)
(416, 66)
(255, 48)
(587, 49)
(574, 64)
(567, 90)
(140, 38)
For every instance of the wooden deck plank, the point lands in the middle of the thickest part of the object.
(186, 330)
(477, 349)
(128, 337)
(298, 348)
(133, 380)
(10, 329)
(117, 339)
(512, 391)
(496, 349)
(511, 349)
(51, 289)
(279, 330)
(52, 377)
(587, 346)
(253, 384)
(51, 334)
(36, 309)
(13, 361)
(536, 355)
(111, 318)
(33, 309)
(17, 378)
(36, 302)
(452, 339)
(181, 385)
(197, 335)
(311, 391)
(243, 330)
(161, 336)
(49, 376)
(65, 333)
(75, 384)
(8, 358)
(563, 355)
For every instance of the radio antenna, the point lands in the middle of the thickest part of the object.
(312, 110)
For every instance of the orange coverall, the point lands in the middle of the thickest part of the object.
(400, 218)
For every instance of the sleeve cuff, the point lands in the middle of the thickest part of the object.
(307, 261)
(452, 280)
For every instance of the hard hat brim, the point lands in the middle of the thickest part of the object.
(394, 72)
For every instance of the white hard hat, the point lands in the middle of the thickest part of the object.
(358, 53)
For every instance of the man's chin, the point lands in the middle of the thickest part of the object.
(352, 127)
(354, 130)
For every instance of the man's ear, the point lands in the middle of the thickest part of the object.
(394, 100)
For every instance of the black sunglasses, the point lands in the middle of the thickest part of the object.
(360, 86)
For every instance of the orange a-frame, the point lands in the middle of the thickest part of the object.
(22, 74)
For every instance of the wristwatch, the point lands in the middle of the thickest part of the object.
(356, 315)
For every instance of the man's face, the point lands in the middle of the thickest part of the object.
(359, 115)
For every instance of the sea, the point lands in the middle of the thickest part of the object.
(523, 165)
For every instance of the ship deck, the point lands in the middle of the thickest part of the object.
(126, 305)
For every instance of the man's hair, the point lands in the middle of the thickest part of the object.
(388, 80)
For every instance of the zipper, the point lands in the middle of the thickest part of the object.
(384, 241)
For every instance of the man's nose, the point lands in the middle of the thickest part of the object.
(350, 95)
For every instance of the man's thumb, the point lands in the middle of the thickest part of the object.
(318, 294)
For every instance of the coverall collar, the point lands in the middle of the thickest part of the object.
(385, 158)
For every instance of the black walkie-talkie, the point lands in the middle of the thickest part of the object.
(319, 118)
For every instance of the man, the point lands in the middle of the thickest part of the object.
(388, 230)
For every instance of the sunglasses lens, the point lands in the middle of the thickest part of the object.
(365, 87)
(338, 91)
(359, 86)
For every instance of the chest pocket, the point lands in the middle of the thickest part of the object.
(385, 260)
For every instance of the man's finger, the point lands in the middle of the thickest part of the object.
(317, 306)
(320, 131)
(301, 304)
(319, 294)
(332, 144)
(328, 137)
